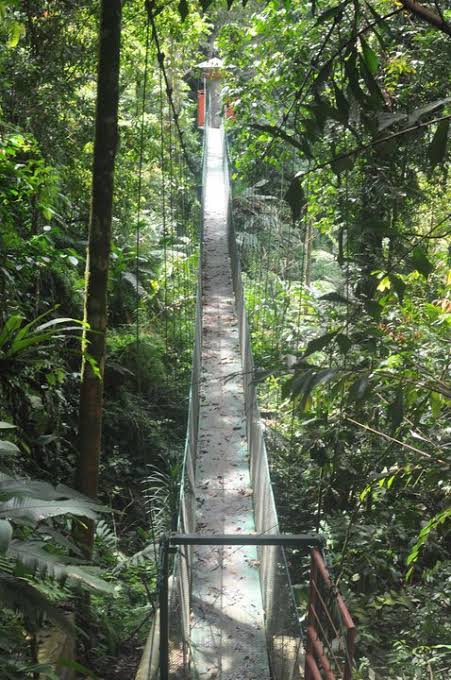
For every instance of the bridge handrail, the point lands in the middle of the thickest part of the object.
(281, 619)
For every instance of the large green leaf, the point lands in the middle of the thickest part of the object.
(437, 148)
(319, 343)
(342, 105)
(6, 426)
(36, 510)
(302, 384)
(16, 32)
(421, 262)
(335, 297)
(359, 388)
(89, 576)
(386, 119)
(16, 486)
(369, 56)
(30, 326)
(12, 324)
(442, 517)
(18, 594)
(353, 79)
(295, 198)
(376, 98)
(331, 13)
(11, 487)
(40, 562)
(8, 448)
(396, 410)
(6, 532)
(418, 113)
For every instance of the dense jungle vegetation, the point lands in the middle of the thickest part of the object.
(340, 156)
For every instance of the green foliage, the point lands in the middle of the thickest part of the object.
(47, 108)
(351, 349)
(36, 550)
(346, 271)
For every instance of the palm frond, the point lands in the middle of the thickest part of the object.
(41, 563)
(37, 510)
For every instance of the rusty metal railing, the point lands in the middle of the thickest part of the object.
(330, 628)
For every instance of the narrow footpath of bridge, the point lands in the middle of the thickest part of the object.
(227, 626)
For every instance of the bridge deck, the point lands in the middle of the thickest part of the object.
(227, 629)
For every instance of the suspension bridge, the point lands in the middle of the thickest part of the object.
(227, 609)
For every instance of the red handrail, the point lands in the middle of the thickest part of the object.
(335, 661)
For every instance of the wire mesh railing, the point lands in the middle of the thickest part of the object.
(179, 592)
(171, 657)
(283, 629)
(329, 650)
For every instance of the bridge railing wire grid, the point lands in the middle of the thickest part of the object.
(282, 624)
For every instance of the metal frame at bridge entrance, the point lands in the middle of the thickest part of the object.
(170, 544)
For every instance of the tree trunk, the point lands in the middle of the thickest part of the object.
(99, 245)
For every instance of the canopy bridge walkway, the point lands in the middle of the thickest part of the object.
(228, 611)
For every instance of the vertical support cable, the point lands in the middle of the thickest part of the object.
(138, 220)
(163, 207)
(164, 608)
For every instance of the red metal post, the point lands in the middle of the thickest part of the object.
(310, 617)
(350, 645)
(200, 108)
(311, 669)
(319, 653)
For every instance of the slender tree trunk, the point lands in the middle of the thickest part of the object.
(99, 245)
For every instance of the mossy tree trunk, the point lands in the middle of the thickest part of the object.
(99, 246)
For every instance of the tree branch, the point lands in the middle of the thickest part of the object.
(394, 440)
(300, 92)
(279, 132)
(375, 142)
(427, 15)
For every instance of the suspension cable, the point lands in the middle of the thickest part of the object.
(138, 250)
(164, 226)
(139, 213)
(169, 91)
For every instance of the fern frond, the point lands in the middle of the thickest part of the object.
(139, 558)
(105, 534)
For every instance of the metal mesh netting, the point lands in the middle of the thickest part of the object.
(282, 627)
(179, 596)
(180, 581)
(180, 590)
(283, 630)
